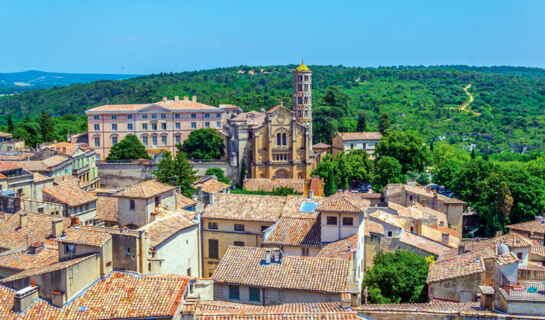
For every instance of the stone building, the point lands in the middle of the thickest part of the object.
(276, 143)
(349, 141)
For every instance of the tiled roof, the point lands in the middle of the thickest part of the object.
(107, 209)
(451, 232)
(423, 243)
(211, 310)
(41, 309)
(418, 211)
(346, 202)
(183, 201)
(10, 165)
(212, 186)
(38, 229)
(113, 230)
(343, 248)
(129, 296)
(389, 218)
(348, 136)
(437, 236)
(315, 185)
(260, 184)
(69, 194)
(67, 178)
(321, 145)
(538, 250)
(145, 190)
(5, 135)
(437, 307)
(257, 118)
(245, 207)
(40, 177)
(300, 232)
(536, 226)
(16, 157)
(43, 165)
(163, 228)
(373, 227)
(229, 106)
(65, 148)
(459, 266)
(301, 207)
(49, 268)
(244, 266)
(22, 259)
(172, 105)
(504, 259)
(85, 237)
(513, 240)
(422, 192)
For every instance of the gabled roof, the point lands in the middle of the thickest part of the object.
(423, 243)
(162, 229)
(23, 259)
(40, 309)
(460, 266)
(65, 148)
(44, 165)
(245, 207)
(389, 218)
(343, 248)
(349, 136)
(107, 209)
(321, 145)
(212, 186)
(373, 227)
(298, 232)
(69, 194)
(345, 202)
(184, 202)
(262, 184)
(145, 190)
(38, 229)
(534, 226)
(244, 266)
(85, 237)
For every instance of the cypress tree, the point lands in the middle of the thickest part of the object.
(330, 187)
(362, 123)
(10, 123)
(384, 124)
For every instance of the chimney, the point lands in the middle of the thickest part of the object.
(267, 256)
(23, 219)
(185, 98)
(74, 221)
(24, 298)
(56, 227)
(194, 98)
(461, 249)
(164, 98)
(199, 193)
(445, 237)
(58, 298)
(36, 247)
(418, 226)
(277, 255)
(176, 98)
(311, 194)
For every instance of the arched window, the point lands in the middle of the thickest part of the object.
(278, 139)
(299, 100)
(284, 139)
(306, 99)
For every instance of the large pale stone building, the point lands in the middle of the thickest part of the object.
(278, 142)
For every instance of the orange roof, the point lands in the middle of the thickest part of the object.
(145, 190)
(41, 309)
(274, 108)
(212, 186)
(347, 136)
(161, 229)
(38, 229)
(85, 237)
(107, 209)
(344, 202)
(22, 259)
(65, 148)
(69, 194)
(9, 165)
(343, 248)
(245, 207)
(171, 105)
(293, 231)
(261, 184)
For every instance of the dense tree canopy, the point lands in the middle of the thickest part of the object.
(387, 170)
(219, 173)
(130, 148)
(203, 144)
(408, 148)
(176, 171)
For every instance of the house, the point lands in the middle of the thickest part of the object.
(107, 212)
(534, 229)
(174, 239)
(8, 144)
(265, 276)
(208, 188)
(50, 167)
(75, 202)
(34, 256)
(138, 205)
(349, 141)
(236, 219)
(188, 204)
(23, 183)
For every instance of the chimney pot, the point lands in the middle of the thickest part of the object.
(445, 236)
(461, 249)
(56, 227)
(23, 219)
(194, 98)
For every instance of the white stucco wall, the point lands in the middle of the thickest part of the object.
(180, 252)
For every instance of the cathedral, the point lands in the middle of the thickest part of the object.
(278, 142)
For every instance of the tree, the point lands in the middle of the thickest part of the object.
(242, 172)
(387, 170)
(397, 277)
(473, 153)
(431, 145)
(408, 148)
(177, 171)
(219, 173)
(10, 123)
(129, 148)
(423, 179)
(46, 127)
(203, 144)
(330, 187)
(384, 124)
(504, 203)
(362, 123)
(284, 191)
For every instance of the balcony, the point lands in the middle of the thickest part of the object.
(81, 170)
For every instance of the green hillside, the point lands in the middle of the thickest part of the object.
(508, 111)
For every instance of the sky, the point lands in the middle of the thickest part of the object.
(142, 37)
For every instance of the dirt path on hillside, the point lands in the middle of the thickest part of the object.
(464, 106)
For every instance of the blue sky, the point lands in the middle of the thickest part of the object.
(170, 36)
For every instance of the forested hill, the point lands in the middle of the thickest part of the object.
(508, 110)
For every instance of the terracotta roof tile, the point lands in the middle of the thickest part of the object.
(538, 250)
(389, 218)
(321, 145)
(344, 248)
(85, 236)
(38, 229)
(344, 202)
(10, 165)
(107, 209)
(423, 243)
(65, 148)
(163, 228)
(437, 236)
(67, 178)
(172, 105)
(244, 266)
(300, 232)
(348, 136)
(145, 190)
(23, 259)
(41, 309)
(212, 186)
(184, 202)
(245, 207)
(259, 184)
(69, 194)
(418, 211)
(461, 266)
(536, 226)
(373, 227)
(44, 165)
(38, 177)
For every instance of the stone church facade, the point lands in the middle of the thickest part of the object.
(276, 143)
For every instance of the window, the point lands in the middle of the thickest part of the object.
(188, 272)
(207, 115)
(163, 126)
(193, 125)
(218, 115)
(305, 252)
(239, 227)
(389, 234)
(255, 294)
(114, 116)
(163, 116)
(144, 126)
(218, 125)
(519, 255)
(145, 140)
(234, 292)
(213, 249)
(284, 139)
(177, 115)
(263, 228)
(70, 248)
(178, 139)
(348, 221)
(129, 116)
(96, 117)
(114, 126)
(131, 205)
(299, 87)
(331, 220)
(177, 125)
(129, 126)
(207, 124)
(193, 116)
(157, 201)
(154, 141)
(278, 139)
(97, 142)
(128, 252)
(114, 140)
(164, 140)
(306, 77)
(306, 87)
(144, 116)
(239, 243)
(213, 225)
(154, 116)
(306, 100)
(299, 100)
(97, 127)
(154, 126)
(351, 146)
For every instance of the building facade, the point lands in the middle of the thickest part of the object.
(160, 126)
(349, 141)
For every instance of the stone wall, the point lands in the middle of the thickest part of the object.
(230, 172)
